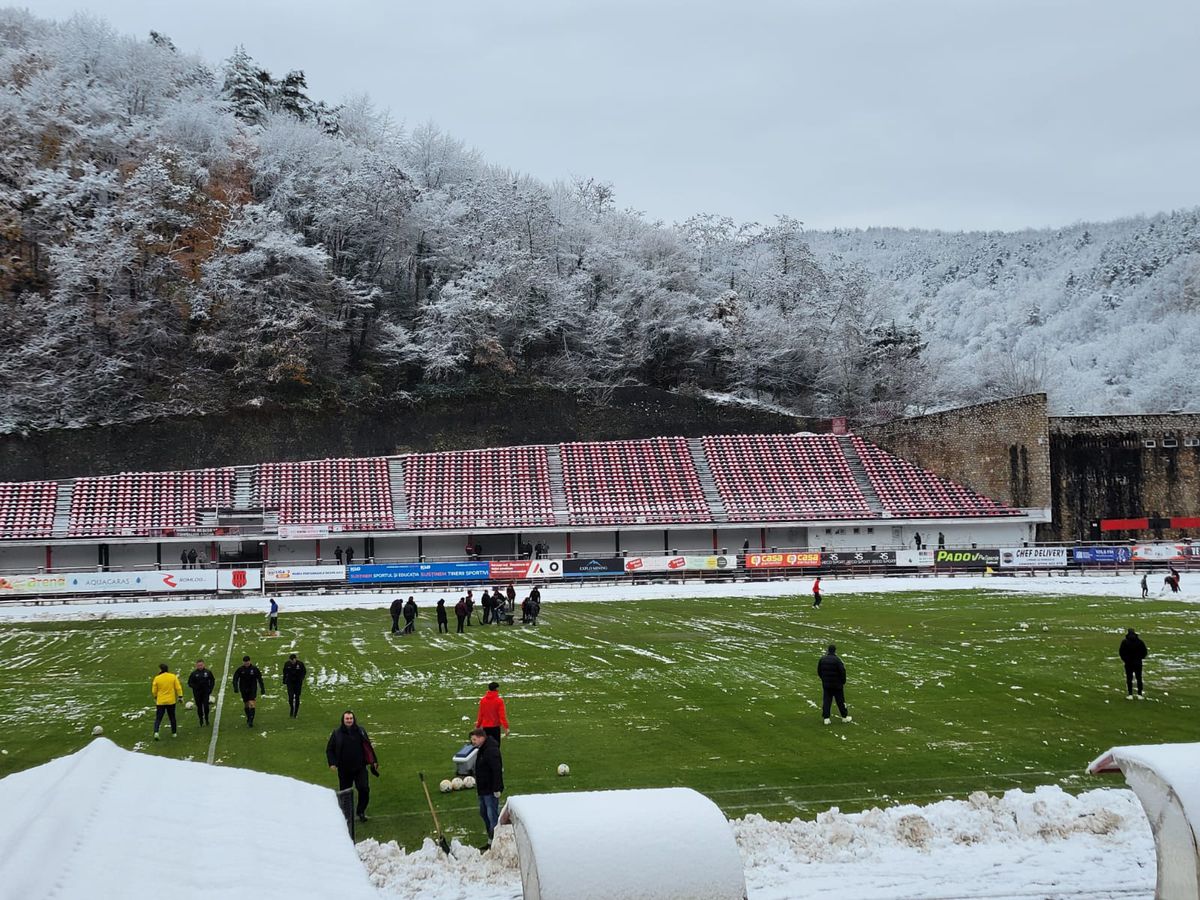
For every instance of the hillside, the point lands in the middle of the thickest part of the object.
(182, 239)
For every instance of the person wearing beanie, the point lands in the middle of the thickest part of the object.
(1133, 651)
(492, 715)
(832, 673)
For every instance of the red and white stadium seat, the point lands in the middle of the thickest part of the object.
(508, 487)
(139, 502)
(353, 493)
(27, 509)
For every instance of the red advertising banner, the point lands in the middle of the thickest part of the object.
(783, 560)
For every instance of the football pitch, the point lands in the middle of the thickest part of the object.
(950, 692)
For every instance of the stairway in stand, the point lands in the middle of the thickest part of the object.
(558, 489)
(708, 484)
(399, 497)
(860, 475)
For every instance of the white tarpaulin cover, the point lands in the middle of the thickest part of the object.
(1166, 779)
(107, 823)
(660, 844)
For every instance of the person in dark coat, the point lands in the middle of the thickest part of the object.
(396, 609)
(470, 606)
(192, 558)
(183, 558)
(1133, 651)
(350, 754)
(917, 540)
(410, 615)
(441, 617)
(349, 556)
(337, 554)
(1145, 587)
(485, 603)
(460, 610)
(489, 779)
(293, 679)
(248, 682)
(832, 673)
(202, 682)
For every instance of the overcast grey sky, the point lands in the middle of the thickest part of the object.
(957, 114)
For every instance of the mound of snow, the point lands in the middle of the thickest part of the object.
(108, 823)
(1021, 844)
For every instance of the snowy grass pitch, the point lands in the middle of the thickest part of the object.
(951, 692)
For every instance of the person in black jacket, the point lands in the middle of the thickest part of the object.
(248, 682)
(1133, 651)
(441, 617)
(349, 753)
(460, 611)
(832, 673)
(489, 778)
(410, 615)
(202, 682)
(293, 679)
(396, 609)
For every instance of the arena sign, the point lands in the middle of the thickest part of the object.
(1102, 554)
(408, 572)
(524, 569)
(783, 560)
(162, 581)
(859, 558)
(635, 564)
(306, 574)
(1159, 552)
(967, 559)
(593, 566)
(1033, 557)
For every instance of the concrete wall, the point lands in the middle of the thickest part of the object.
(21, 559)
(1102, 469)
(1000, 449)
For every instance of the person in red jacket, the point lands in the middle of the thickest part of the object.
(491, 712)
(817, 594)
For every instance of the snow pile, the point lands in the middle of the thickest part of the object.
(1045, 844)
(108, 823)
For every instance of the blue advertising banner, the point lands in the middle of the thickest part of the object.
(586, 567)
(391, 572)
(1102, 554)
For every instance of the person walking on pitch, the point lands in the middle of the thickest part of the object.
(202, 682)
(349, 753)
(248, 682)
(832, 673)
(492, 715)
(816, 592)
(293, 679)
(273, 618)
(396, 609)
(489, 779)
(166, 690)
(1133, 651)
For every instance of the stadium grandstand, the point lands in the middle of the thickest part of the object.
(730, 494)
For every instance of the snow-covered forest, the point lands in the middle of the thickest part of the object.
(183, 236)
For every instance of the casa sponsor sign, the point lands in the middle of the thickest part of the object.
(524, 569)
(807, 559)
(715, 563)
(979, 558)
(920, 559)
(1111, 555)
(859, 558)
(304, 574)
(410, 572)
(1159, 552)
(593, 566)
(1033, 557)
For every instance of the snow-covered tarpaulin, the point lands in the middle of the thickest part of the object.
(107, 823)
(1166, 779)
(656, 844)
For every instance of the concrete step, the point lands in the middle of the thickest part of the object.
(558, 490)
(399, 496)
(859, 471)
(708, 484)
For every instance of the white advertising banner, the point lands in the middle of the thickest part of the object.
(297, 574)
(920, 558)
(1033, 557)
(239, 579)
(679, 563)
(289, 532)
(181, 580)
(168, 581)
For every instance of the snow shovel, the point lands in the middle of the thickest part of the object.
(441, 838)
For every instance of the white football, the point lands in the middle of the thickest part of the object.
(457, 784)
(189, 705)
(445, 787)
(1045, 628)
(564, 769)
(469, 782)
(98, 730)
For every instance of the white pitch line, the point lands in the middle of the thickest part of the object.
(212, 744)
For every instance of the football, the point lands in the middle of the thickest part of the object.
(98, 730)
(564, 769)
(189, 705)
(457, 784)
(445, 787)
(469, 782)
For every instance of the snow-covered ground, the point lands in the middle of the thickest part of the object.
(833, 587)
(1044, 844)
(1040, 844)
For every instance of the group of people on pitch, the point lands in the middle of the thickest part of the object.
(247, 681)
